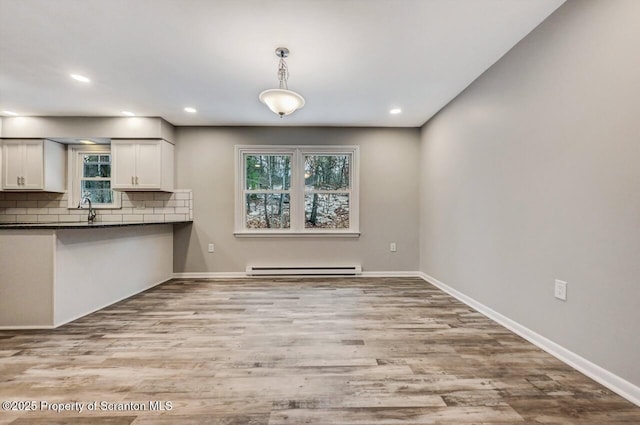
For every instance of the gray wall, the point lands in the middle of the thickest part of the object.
(388, 200)
(533, 174)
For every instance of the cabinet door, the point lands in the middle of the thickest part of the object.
(12, 159)
(123, 165)
(33, 165)
(149, 165)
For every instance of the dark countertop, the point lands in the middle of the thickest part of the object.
(83, 224)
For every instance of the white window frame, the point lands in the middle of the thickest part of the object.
(74, 175)
(297, 189)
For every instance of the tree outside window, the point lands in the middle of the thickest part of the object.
(327, 191)
(95, 182)
(267, 191)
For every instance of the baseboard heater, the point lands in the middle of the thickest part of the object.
(304, 270)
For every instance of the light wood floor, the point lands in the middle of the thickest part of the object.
(297, 351)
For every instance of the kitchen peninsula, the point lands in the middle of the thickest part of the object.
(53, 273)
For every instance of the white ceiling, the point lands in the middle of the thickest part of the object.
(352, 60)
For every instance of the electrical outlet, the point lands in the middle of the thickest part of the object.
(560, 290)
(393, 247)
(211, 247)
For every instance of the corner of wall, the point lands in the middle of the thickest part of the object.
(167, 131)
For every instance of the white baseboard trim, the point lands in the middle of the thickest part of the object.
(26, 328)
(236, 275)
(613, 382)
(390, 274)
(210, 275)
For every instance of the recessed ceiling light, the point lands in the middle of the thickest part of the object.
(10, 113)
(87, 142)
(129, 114)
(395, 111)
(190, 110)
(80, 78)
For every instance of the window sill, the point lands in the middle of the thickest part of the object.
(296, 234)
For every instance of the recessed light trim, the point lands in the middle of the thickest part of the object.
(190, 110)
(15, 114)
(129, 114)
(395, 111)
(87, 142)
(80, 78)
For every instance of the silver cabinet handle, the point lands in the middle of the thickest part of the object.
(18, 179)
(22, 180)
(136, 179)
(133, 181)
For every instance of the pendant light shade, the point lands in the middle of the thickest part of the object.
(282, 101)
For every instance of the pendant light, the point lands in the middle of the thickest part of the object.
(282, 101)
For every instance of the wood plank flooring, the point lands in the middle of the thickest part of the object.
(377, 351)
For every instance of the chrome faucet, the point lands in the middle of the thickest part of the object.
(92, 214)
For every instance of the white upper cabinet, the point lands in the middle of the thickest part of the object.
(148, 166)
(142, 165)
(123, 165)
(33, 165)
(13, 163)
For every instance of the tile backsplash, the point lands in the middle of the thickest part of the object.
(32, 207)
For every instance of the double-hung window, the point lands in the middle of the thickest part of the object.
(289, 190)
(91, 177)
